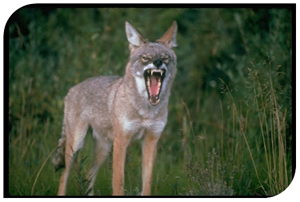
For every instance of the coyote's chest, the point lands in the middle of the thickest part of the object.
(136, 127)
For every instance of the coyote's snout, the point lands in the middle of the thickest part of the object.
(121, 109)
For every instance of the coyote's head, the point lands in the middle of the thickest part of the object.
(153, 64)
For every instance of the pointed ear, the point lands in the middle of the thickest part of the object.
(169, 38)
(133, 36)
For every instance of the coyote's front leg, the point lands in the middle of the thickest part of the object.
(149, 152)
(119, 155)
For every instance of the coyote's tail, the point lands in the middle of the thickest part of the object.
(59, 156)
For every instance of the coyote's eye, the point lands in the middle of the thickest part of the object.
(166, 60)
(144, 59)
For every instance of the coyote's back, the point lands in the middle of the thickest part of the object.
(120, 109)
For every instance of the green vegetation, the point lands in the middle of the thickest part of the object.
(229, 129)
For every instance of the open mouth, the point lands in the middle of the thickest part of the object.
(154, 79)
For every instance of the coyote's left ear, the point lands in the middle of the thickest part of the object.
(169, 38)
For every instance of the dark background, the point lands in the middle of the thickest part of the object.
(229, 129)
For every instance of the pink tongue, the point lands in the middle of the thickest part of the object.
(154, 86)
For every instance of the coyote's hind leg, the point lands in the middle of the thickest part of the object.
(102, 148)
(75, 134)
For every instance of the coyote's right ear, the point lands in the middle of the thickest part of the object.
(133, 36)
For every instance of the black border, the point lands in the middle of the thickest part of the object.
(291, 6)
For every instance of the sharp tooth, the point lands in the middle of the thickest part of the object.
(148, 81)
(148, 71)
(152, 72)
(161, 73)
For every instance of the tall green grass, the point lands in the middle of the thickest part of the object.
(229, 126)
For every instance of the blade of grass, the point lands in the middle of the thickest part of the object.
(38, 174)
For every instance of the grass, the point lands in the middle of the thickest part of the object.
(229, 130)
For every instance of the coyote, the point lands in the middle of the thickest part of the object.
(119, 110)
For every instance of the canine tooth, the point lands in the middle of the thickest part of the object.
(152, 72)
(161, 73)
(148, 71)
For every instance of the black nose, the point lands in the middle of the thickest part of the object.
(157, 63)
